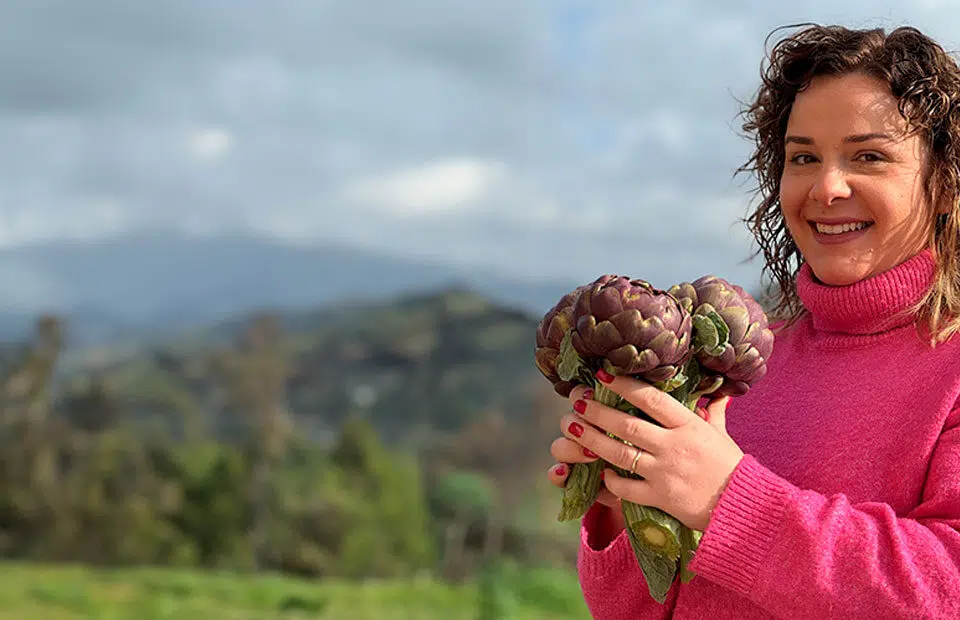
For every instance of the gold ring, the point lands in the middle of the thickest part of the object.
(635, 459)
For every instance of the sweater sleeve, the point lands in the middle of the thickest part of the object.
(613, 586)
(800, 554)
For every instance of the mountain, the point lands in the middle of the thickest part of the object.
(133, 285)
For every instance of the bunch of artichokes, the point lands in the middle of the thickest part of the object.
(695, 339)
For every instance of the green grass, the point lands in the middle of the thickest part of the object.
(34, 592)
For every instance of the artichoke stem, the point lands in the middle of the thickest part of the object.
(658, 571)
(604, 395)
(581, 490)
(653, 529)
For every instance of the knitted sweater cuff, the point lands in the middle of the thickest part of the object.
(597, 565)
(743, 527)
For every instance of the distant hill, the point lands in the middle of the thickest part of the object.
(131, 286)
(416, 364)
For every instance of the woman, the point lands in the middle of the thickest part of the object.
(831, 489)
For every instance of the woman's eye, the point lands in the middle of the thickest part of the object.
(870, 157)
(801, 159)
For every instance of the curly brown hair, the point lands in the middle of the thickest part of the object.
(926, 81)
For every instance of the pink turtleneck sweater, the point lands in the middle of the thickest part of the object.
(847, 503)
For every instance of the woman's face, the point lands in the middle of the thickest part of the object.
(852, 190)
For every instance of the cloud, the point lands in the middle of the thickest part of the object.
(453, 184)
(209, 143)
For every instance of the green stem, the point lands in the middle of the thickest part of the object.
(583, 484)
(658, 571)
(661, 543)
(653, 529)
(582, 487)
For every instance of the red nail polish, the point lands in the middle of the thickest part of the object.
(560, 470)
(604, 376)
(580, 406)
(575, 429)
(603, 473)
(588, 393)
(587, 452)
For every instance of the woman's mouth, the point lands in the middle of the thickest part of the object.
(839, 233)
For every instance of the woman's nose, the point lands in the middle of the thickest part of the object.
(829, 185)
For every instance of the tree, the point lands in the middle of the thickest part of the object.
(255, 374)
(91, 406)
(513, 451)
(28, 428)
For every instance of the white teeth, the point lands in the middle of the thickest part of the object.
(836, 229)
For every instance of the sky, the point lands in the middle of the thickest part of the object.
(538, 138)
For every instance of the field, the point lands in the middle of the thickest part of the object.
(35, 592)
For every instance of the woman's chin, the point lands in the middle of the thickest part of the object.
(836, 275)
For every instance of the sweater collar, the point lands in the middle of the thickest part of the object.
(869, 306)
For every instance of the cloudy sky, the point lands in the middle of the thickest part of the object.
(555, 138)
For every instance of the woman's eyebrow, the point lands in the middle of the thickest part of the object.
(860, 137)
(864, 137)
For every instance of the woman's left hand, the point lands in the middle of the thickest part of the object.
(685, 464)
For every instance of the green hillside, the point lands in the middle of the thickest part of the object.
(417, 367)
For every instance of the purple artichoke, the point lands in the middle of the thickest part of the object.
(636, 328)
(550, 332)
(741, 358)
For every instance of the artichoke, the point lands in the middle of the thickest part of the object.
(744, 342)
(550, 334)
(636, 328)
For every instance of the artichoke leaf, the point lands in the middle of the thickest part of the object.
(673, 383)
(691, 374)
(706, 335)
(570, 365)
(723, 330)
(689, 541)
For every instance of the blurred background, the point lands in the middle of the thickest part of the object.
(271, 273)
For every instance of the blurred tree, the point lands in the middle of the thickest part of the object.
(29, 432)
(459, 499)
(255, 374)
(213, 514)
(91, 406)
(513, 451)
(390, 528)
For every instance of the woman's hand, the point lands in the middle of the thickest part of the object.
(567, 452)
(685, 464)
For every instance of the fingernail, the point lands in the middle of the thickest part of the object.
(590, 453)
(575, 429)
(560, 470)
(704, 413)
(580, 406)
(604, 376)
(588, 393)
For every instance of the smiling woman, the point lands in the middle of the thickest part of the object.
(832, 488)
